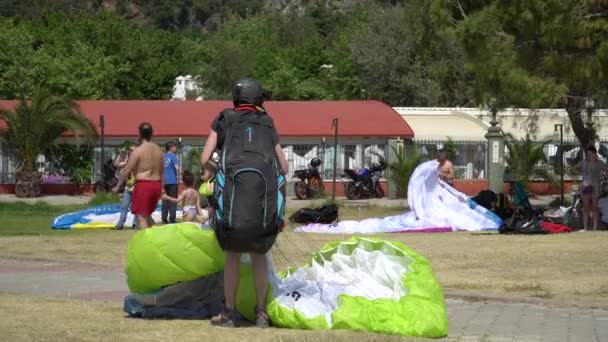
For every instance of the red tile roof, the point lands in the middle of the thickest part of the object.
(293, 119)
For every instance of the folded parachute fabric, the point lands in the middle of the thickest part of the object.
(435, 207)
(165, 255)
(360, 284)
(196, 299)
(103, 216)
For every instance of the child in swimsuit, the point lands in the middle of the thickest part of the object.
(189, 200)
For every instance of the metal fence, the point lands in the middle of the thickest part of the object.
(349, 156)
(470, 159)
(51, 173)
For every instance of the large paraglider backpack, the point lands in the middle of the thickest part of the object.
(249, 190)
(324, 214)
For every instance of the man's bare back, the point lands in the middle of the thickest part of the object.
(446, 171)
(149, 159)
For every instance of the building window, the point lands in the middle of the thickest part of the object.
(350, 159)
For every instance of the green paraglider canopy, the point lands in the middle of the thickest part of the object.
(165, 255)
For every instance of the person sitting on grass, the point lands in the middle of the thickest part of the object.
(189, 200)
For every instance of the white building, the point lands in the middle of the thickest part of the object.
(467, 128)
(185, 84)
(471, 124)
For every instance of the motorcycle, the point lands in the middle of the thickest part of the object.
(365, 183)
(310, 183)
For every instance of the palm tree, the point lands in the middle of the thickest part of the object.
(527, 160)
(33, 126)
(402, 169)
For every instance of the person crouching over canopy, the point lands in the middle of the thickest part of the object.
(446, 168)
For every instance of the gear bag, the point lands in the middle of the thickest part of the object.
(325, 214)
(519, 223)
(249, 190)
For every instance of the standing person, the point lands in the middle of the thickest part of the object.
(171, 171)
(126, 196)
(121, 161)
(189, 200)
(591, 168)
(446, 168)
(251, 153)
(209, 176)
(147, 163)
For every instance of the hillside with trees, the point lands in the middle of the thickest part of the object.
(406, 53)
(302, 50)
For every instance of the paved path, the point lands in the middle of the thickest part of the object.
(469, 321)
(50, 199)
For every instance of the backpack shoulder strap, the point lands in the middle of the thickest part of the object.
(230, 116)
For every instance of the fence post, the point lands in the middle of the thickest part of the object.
(334, 125)
(393, 146)
(102, 125)
(495, 155)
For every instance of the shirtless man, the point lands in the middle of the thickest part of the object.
(147, 162)
(446, 169)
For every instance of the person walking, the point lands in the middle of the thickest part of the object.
(126, 196)
(147, 163)
(171, 170)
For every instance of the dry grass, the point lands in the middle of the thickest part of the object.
(558, 267)
(25, 318)
(103, 246)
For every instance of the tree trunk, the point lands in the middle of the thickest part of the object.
(28, 182)
(583, 133)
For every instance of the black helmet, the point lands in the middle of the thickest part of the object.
(315, 162)
(248, 90)
(379, 166)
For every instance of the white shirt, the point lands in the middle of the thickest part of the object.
(602, 204)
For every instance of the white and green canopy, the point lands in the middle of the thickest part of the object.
(361, 284)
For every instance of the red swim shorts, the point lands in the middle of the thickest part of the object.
(145, 197)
